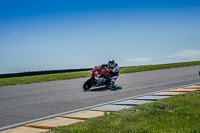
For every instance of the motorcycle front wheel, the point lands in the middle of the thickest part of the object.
(87, 85)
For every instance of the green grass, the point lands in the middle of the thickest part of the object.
(43, 78)
(75, 75)
(157, 67)
(178, 114)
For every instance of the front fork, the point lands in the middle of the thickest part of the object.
(93, 81)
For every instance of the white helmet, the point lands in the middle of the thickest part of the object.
(111, 63)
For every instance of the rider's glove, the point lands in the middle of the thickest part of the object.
(105, 65)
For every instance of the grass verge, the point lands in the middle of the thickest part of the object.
(75, 75)
(178, 114)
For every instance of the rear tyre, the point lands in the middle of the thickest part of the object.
(87, 85)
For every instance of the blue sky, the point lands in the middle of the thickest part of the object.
(40, 35)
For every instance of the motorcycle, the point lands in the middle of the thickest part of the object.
(100, 76)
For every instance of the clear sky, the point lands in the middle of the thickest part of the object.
(38, 35)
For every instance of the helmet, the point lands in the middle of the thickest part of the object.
(111, 63)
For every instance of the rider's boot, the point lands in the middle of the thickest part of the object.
(112, 81)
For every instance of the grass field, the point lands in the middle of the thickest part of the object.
(83, 74)
(178, 114)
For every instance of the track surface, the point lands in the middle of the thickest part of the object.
(27, 102)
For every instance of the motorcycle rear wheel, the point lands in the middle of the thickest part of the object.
(87, 85)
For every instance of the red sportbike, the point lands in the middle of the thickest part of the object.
(100, 77)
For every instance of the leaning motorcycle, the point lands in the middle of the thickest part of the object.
(100, 76)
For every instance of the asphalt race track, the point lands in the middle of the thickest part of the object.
(23, 103)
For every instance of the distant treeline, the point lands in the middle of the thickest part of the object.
(10, 75)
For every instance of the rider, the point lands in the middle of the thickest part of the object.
(115, 70)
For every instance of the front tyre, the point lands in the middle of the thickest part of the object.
(87, 85)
